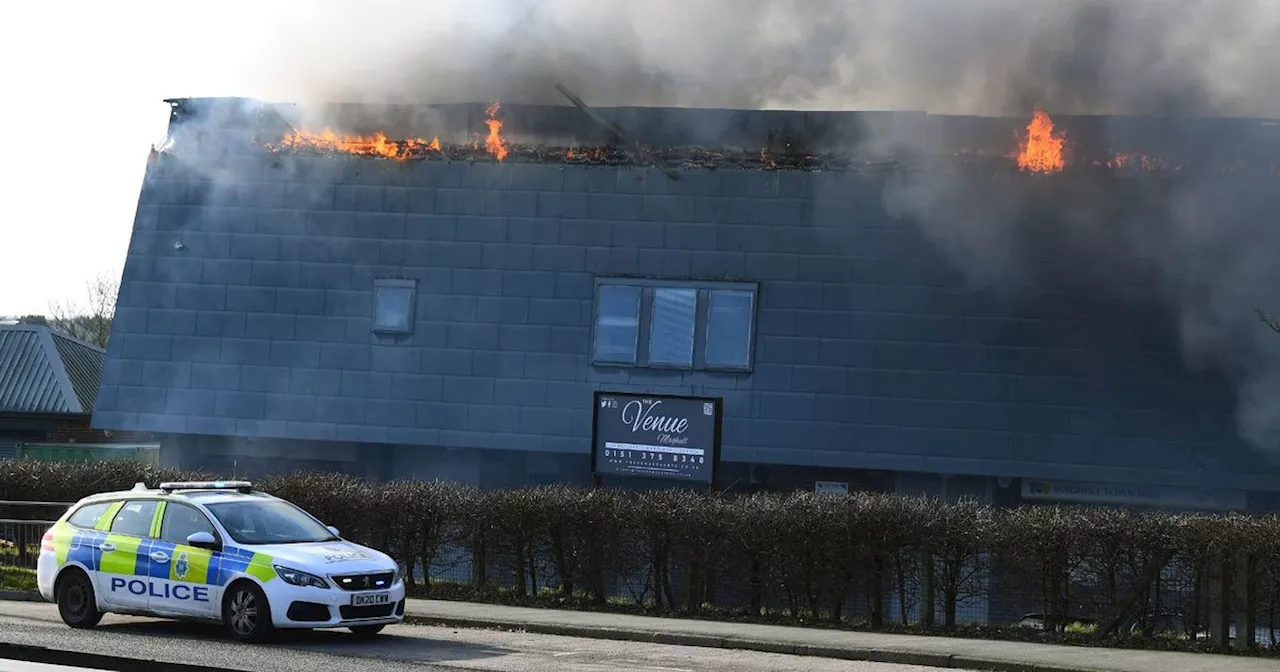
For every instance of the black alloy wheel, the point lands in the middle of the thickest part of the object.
(76, 603)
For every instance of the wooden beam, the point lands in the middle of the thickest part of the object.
(1268, 320)
(617, 132)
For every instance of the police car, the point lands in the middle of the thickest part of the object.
(218, 551)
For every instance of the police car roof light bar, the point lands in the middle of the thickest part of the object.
(239, 486)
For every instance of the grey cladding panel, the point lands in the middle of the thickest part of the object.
(868, 350)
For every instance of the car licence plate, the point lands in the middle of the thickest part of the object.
(370, 599)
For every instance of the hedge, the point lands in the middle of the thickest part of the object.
(872, 560)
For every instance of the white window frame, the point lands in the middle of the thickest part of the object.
(644, 333)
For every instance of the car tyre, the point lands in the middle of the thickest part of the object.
(367, 631)
(246, 613)
(76, 602)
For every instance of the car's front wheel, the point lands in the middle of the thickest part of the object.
(76, 603)
(367, 631)
(246, 613)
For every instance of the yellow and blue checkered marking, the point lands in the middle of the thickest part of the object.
(132, 557)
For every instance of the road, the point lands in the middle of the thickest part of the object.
(401, 647)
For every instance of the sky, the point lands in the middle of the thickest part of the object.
(85, 84)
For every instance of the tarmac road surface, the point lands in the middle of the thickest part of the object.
(401, 647)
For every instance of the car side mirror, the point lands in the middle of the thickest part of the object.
(202, 540)
(334, 531)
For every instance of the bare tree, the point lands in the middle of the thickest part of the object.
(89, 322)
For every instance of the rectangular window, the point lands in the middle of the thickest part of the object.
(678, 324)
(671, 327)
(181, 521)
(617, 324)
(729, 334)
(134, 518)
(393, 301)
(89, 515)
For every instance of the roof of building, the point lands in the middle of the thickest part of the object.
(692, 138)
(43, 371)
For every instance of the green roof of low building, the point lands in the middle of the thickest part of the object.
(43, 371)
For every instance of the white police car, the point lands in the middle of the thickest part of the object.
(216, 551)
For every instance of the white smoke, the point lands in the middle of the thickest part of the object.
(987, 57)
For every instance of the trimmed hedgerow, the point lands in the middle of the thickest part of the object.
(864, 560)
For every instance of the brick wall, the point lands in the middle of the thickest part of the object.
(870, 352)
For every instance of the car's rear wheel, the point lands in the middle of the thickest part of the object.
(367, 631)
(76, 603)
(246, 613)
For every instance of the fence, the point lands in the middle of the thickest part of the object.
(22, 524)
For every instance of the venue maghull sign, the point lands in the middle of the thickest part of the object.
(656, 436)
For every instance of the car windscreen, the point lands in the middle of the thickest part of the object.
(268, 522)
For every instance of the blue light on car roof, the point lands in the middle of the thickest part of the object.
(242, 486)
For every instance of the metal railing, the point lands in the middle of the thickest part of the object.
(22, 525)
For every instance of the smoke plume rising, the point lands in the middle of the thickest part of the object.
(984, 57)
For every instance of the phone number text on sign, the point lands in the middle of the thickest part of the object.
(656, 459)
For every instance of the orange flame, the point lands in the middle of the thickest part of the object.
(373, 145)
(1041, 150)
(1121, 160)
(494, 144)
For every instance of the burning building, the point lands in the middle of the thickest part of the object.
(438, 292)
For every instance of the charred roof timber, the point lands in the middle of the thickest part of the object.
(616, 131)
(684, 138)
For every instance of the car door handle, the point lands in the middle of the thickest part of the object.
(160, 556)
(107, 547)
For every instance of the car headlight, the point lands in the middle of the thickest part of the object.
(297, 577)
(401, 572)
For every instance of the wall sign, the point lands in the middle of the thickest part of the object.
(1193, 499)
(831, 487)
(656, 436)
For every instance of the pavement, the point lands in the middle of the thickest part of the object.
(33, 633)
(19, 666)
(931, 651)
(709, 641)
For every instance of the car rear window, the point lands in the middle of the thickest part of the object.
(88, 515)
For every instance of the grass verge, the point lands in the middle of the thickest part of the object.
(17, 578)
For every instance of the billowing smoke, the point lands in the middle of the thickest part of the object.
(986, 57)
